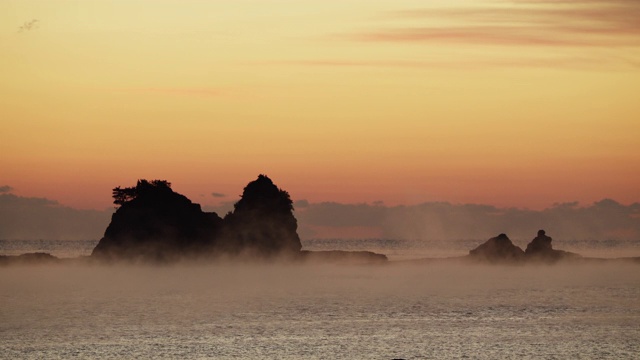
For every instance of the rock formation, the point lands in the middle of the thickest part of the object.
(154, 223)
(501, 249)
(349, 257)
(497, 249)
(540, 249)
(540, 244)
(262, 222)
(39, 258)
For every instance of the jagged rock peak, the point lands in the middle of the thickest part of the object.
(540, 249)
(262, 221)
(263, 195)
(540, 244)
(497, 249)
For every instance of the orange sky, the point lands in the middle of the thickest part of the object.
(511, 103)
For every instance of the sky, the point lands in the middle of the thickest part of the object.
(521, 104)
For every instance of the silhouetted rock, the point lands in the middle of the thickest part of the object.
(501, 249)
(540, 244)
(347, 257)
(497, 249)
(262, 222)
(154, 223)
(36, 258)
(540, 249)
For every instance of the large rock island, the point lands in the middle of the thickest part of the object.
(497, 249)
(154, 223)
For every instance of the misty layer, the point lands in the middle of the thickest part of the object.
(290, 311)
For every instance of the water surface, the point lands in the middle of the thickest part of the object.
(320, 311)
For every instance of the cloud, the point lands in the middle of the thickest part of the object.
(521, 23)
(40, 218)
(590, 33)
(553, 61)
(499, 35)
(5, 189)
(218, 195)
(29, 25)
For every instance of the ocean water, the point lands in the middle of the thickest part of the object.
(305, 311)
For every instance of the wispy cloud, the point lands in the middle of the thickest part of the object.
(581, 34)
(470, 63)
(217, 195)
(5, 189)
(524, 23)
(29, 25)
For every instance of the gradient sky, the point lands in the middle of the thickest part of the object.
(510, 103)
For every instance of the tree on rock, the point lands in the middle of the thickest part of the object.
(122, 196)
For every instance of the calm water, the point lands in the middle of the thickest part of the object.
(245, 311)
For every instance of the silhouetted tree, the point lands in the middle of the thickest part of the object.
(123, 195)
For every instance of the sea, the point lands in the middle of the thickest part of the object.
(400, 310)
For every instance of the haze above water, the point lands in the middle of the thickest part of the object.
(394, 249)
(320, 311)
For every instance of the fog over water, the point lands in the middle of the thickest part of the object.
(317, 311)
(395, 249)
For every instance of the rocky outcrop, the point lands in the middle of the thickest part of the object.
(497, 249)
(154, 223)
(540, 249)
(262, 222)
(344, 257)
(540, 244)
(36, 258)
(500, 249)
